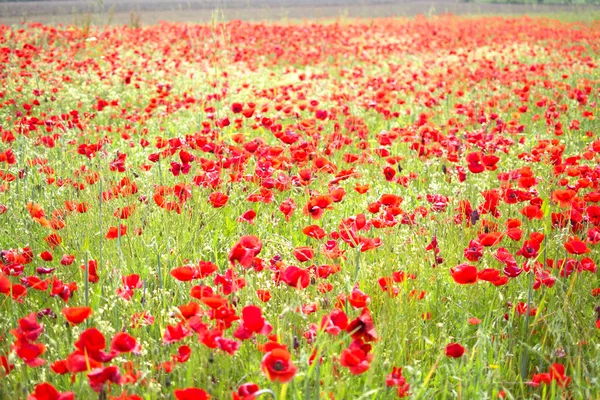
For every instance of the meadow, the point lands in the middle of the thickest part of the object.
(350, 209)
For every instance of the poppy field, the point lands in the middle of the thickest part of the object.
(396, 208)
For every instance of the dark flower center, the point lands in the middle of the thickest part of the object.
(278, 366)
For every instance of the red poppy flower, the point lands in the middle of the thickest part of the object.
(99, 377)
(529, 249)
(29, 352)
(556, 373)
(218, 199)
(314, 231)
(358, 299)
(464, 274)
(8, 367)
(277, 365)
(191, 394)
(46, 256)
(454, 350)
(363, 327)
(67, 259)
(76, 315)
(184, 274)
(563, 197)
(246, 392)
(287, 207)
(296, 277)
(245, 250)
(576, 246)
(123, 342)
(357, 357)
(175, 333)
(114, 232)
(252, 322)
(248, 217)
(395, 378)
(45, 391)
(29, 328)
(304, 254)
(183, 354)
(316, 206)
(92, 269)
(474, 252)
(53, 240)
(263, 295)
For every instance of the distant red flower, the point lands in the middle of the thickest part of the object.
(8, 367)
(67, 259)
(114, 232)
(454, 350)
(396, 379)
(563, 197)
(46, 256)
(263, 295)
(143, 318)
(53, 240)
(29, 328)
(183, 354)
(556, 373)
(362, 189)
(248, 217)
(287, 207)
(335, 322)
(474, 251)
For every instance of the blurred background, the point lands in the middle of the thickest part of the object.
(152, 11)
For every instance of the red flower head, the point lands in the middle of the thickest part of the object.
(191, 394)
(245, 250)
(357, 357)
(576, 246)
(76, 315)
(362, 327)
(464, 274)
(218, 199)
(303, 254)
(277, 365)
(454, 350)
(45, 391)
